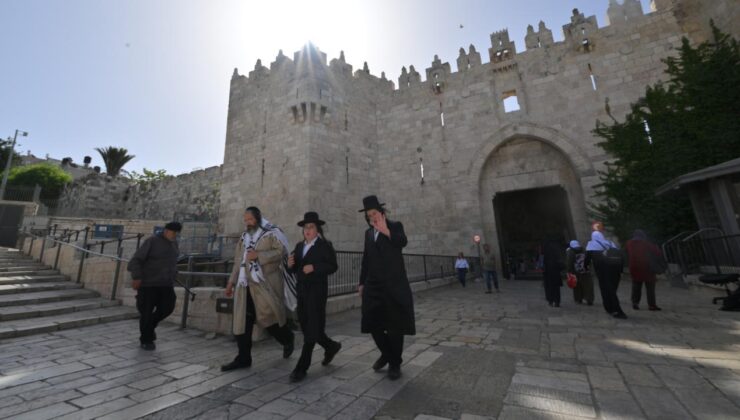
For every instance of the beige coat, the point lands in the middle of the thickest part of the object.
(268, 298)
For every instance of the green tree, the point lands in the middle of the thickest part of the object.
(50, 178)
(684, 124)
(114, 158)
(148, 176)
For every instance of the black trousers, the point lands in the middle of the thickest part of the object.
(283, 334)
(609, 277)
(552, 287)
(390, 346)
(154, 304)
(305, 361)
(637, 292)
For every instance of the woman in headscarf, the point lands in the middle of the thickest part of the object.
(640, 251)
(608, 270)
(575, 263)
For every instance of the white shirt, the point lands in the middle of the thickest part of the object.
(376, 232)
(461, 263)
(307, 246)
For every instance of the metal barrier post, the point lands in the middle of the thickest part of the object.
(82, 261)
(30, 248)
(56, 259)
(43, 247)
(186, 297)
(115, 277)
(87, 230)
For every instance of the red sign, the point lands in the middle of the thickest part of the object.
(476, 239)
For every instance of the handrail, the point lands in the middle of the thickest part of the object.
(117, 258)
(703, 230)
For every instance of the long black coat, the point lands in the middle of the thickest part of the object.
(387, 302)
(312, 288)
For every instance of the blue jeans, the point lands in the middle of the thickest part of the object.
(491, 276)
(461, 272)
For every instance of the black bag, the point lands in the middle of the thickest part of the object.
(657, 264)
(731, 302)
(613, 256)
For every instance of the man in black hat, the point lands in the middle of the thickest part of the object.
(387, 302)
(153, 271)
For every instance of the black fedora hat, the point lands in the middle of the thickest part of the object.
(311, 217)
(371, 202)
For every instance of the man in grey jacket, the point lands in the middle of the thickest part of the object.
(153, 271)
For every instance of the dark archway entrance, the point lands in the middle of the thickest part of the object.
(524, 220)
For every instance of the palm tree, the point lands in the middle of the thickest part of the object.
(114, 159)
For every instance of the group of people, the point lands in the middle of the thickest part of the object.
(607, 260)
(268, 283)
(488, 269)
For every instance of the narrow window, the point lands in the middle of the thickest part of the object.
(346, 122)
(511, 101)
(591, 75)
(295, 113)
(421, 169)
(442, 118)
(262, 182)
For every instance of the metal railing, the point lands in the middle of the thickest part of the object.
(344, 281)
(696, 254)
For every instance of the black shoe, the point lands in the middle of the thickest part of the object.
(148, 346)
(329, 354)
(288, 350)
(297, 375)
(380, 363)
(635, 306)
(620, 315)
(394, 372)
(590, 303)
(556, 304)
(488, 292)
(654, 308)
(235, 364)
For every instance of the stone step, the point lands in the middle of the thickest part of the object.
(32, 298)
(7, 289)
(42, 272)
(24, 267)
(9, 313)
(6, 260)
(4, 281)
(45, 324)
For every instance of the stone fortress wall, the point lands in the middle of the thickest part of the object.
(306, 134)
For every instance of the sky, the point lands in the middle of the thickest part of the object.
(153, 76)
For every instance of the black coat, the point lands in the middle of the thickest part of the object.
(387, 302)
(313, 288)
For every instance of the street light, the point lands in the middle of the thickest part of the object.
(10, 159)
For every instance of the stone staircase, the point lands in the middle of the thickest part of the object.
(36, 299)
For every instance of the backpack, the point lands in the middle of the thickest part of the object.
(580, 263)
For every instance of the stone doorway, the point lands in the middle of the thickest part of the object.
(524, 220)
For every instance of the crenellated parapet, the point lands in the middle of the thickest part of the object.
(579, 33)
(502, 47)
(438, 74)
(540, 39)
(468, 60)
(620, 13)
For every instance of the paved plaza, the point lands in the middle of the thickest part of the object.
(503, 356)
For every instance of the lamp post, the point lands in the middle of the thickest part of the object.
(10, 159)
(476, 239)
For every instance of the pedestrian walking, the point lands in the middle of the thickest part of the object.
(575, 263)
(154, 270)
(641, 255)
(387, 302)
(257, 283)
(552, 266)
(488, 264)
(461, 267)
(312, 261)
(608, 264)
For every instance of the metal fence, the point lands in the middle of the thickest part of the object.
(697, 254)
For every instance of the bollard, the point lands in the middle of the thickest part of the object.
(186, 297)
(115, 277)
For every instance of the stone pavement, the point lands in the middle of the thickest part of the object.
(477, 356)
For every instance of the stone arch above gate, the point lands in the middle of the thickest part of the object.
(578, 159)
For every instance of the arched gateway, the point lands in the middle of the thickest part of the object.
(530, 190)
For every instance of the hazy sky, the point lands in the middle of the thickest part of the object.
(153, 75)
